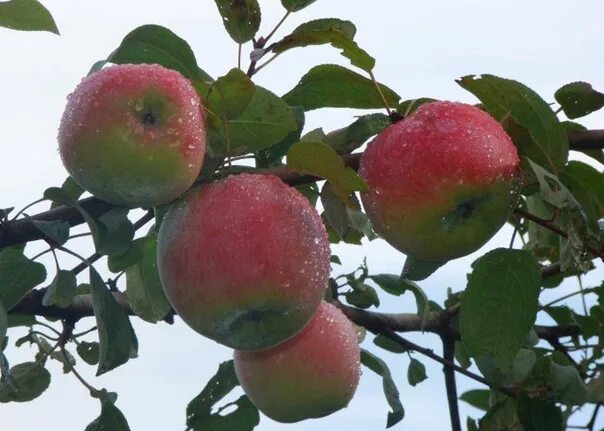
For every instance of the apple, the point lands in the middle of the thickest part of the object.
(311, 375)
(244, 260)
(441, 182)
(133, 135)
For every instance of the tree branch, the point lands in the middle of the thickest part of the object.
(586, 140)
(450, 384)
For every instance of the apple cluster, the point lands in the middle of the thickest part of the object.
(245, 260)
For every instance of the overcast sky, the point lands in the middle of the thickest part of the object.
(420, 48)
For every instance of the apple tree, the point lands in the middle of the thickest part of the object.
(435, 179)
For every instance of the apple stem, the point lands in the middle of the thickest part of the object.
(379, 90)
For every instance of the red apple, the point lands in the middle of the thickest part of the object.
(244, 260)
(441, 182)
(133, 135)
(311, 375)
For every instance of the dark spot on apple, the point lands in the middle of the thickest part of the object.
(463, 211)
(149, 118)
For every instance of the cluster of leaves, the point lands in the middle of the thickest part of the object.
(532, 387)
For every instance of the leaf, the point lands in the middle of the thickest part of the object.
(59, 196)
(263, 123)
(229, 95)
(337, 35)
(3, 325)
(587, 186)
(315, 158)
(18, 275)
(112, 232)
(27, 382)
(89, 352)
(118, 342)
(155, 44)
(407, 107)
(522, 365)
(388, 344)
(27, 15)
(478, 398)
(500, 304)
(551, 188)
(61, 291)
(111, 417)
(539, 415)
(416, 373)
(579, 99)
(397, 286)
(118, 262)
(56, 231)
(362, 295)
(144, 290)
(567, 384)
(333, 86)
(241, 18)
(199, 410)
(17, 319)
(417, 270)
(345, 218)
(296, 5)
(70, 190)
(348, 139)
(508, 99)
(323, 24)
(379, 367)
(271, 156)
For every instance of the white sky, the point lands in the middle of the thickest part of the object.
(420, 48)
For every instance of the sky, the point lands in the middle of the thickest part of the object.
(420, 49)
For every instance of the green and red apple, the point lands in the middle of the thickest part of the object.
(244, 260)
(133, 135)
(441, 182)
(311, 375)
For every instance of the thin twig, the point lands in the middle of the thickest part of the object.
(450, 384)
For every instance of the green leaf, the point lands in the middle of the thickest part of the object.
(348, 139)
(344, 218)
(56, 231)
(61, 291)
(362, 295)
(155, 44)
(505, 100)
(587, 186)
(111, 417)
(118, 262)
(199, 410)
(59, 196)
(118, 342)
(416, 373)
(144, 290)
(500, 304)
(26, 382)
(112, 232)
(3, 325)
(551, 188)
(296, 5)
(315, 158)
(229, 95)
(397, 286)
(27, 15)
(89, 352)
(241, 18)
(271, 157)
(70, 190)
(263, 123)
(45, 349)
(17, 319)
(333, 86)
(4, 212)
(478, 398)
(567, 384)
(323, 24)
(539, 415)
(522, 365)
(407, 107)
(336, 34)
(18, 275)
(417, 270)
(579, 99)
(379, 367)
(387, 344)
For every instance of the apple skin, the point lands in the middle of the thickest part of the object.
(311, 375)
(244, 260)
(133, 135)
(441, 182)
